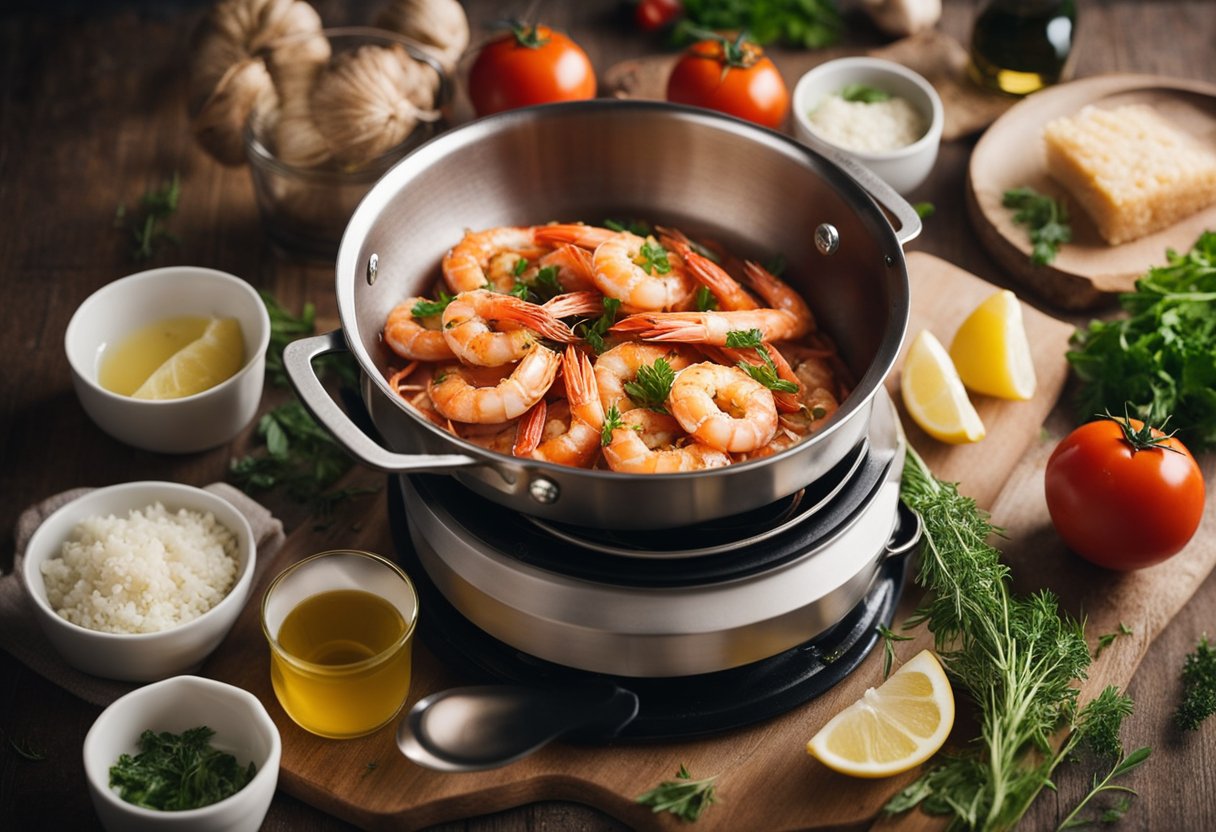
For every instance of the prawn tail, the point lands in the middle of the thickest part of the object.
(662, 327)
(530, 429)
(586, 303)
(583, 236)
(539, 320)
(582, 390)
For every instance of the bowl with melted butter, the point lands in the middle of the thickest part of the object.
(170, 360)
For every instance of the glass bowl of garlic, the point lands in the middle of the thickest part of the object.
(344, 105)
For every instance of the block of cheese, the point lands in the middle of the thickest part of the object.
(1130, 170)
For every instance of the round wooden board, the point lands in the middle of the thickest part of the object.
(1086, 272)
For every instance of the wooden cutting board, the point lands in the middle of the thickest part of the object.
(1086, 272)
(367, 782)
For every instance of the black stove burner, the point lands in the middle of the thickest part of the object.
(855, 480)
(683, 706)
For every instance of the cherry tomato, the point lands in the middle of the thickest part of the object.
(650, 15)
(1123, 496)
(529, 65)
(732, 77)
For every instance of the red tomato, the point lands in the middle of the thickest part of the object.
(530, 65)
(731, 77)
(1123, 496)
(655, 14)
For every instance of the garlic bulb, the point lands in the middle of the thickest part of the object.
(294, 65)
(367, 101)
(440, 25)
(227, 77)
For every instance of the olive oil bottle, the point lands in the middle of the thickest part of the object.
(1021, 46)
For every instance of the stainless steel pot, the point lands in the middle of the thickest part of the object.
(759, 192)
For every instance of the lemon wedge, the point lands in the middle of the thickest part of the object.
(934, 394)
(991, 352)
(203, 363)
(893, 727)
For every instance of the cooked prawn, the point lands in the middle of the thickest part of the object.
(725, 289)
(787, 402)
(575, 440)
(575, 272)
(710, 327)
(635, 270)
(469, 320)
(413, 337)
(723, 407)
(646, 442)
(465, 394)
(488, 257)
(618, 366)
(584, 304)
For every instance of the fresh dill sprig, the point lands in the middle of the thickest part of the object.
(684, 797)
(1107, 639)
(1017, 658)
(1198, 687)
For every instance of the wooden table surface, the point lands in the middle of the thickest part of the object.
(92, 115)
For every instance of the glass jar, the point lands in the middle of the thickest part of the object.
(1021, 46)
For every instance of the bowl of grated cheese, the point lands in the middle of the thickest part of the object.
(139, 581)
(878, 112)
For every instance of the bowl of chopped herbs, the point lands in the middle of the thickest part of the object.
(186, 753)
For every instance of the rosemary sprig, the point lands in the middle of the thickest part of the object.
(684, 797)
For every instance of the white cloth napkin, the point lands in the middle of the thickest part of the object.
(20, 634)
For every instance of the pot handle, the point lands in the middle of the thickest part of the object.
(297, 361)
(905, 215)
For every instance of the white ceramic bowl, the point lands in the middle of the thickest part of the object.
(137, 657)
(192, 423)
(904, 168)
(242, 728)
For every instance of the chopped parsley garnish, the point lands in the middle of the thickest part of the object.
(1045, 219)
(612, 421)
(634, 226)
(178, 771)
(546, 285)
(766, 373)
(429, 308)
(593, 332)
(705, 299)
(653, 258)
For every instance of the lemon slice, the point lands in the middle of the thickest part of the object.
(934, 394)
(203, 363)
(893, 727)
(991, 352)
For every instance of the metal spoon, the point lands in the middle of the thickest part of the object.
(486, 726)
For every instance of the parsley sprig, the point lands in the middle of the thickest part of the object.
(652, 385)
(430, 308)
(809, 24)
(593, 332)
(1018, 658)
(653, 258)
(1046, 220)
(864, 93)
(1161, 357)
(684, 797)
(765, 373)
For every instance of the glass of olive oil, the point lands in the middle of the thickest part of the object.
(341, 627)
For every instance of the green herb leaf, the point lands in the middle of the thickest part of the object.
(546, 285)
(173, 772)
(1121, 767)
(864, 94)
(766, 373)
(924, 210)
(147, 225)
(653, 258)
(1046, 220)
(1107, 639)
(1198, 687)
(809, 24)
(612, 421)
(743, 338)
(593, 332)
(705, 299)
(519, 289)
(684, 797)
(634, 226)
(889, 637)
(652, 385)
(1160, 358)
(431, 308)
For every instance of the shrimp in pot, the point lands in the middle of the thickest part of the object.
(637, 271)
(574, 440)
(489, 257)
(575, 272)
(416, 337)
(491, 395)
(711, 327)
(723, 407)
(645, 442)
(470, 318)
(725, 289)
(619, 366)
